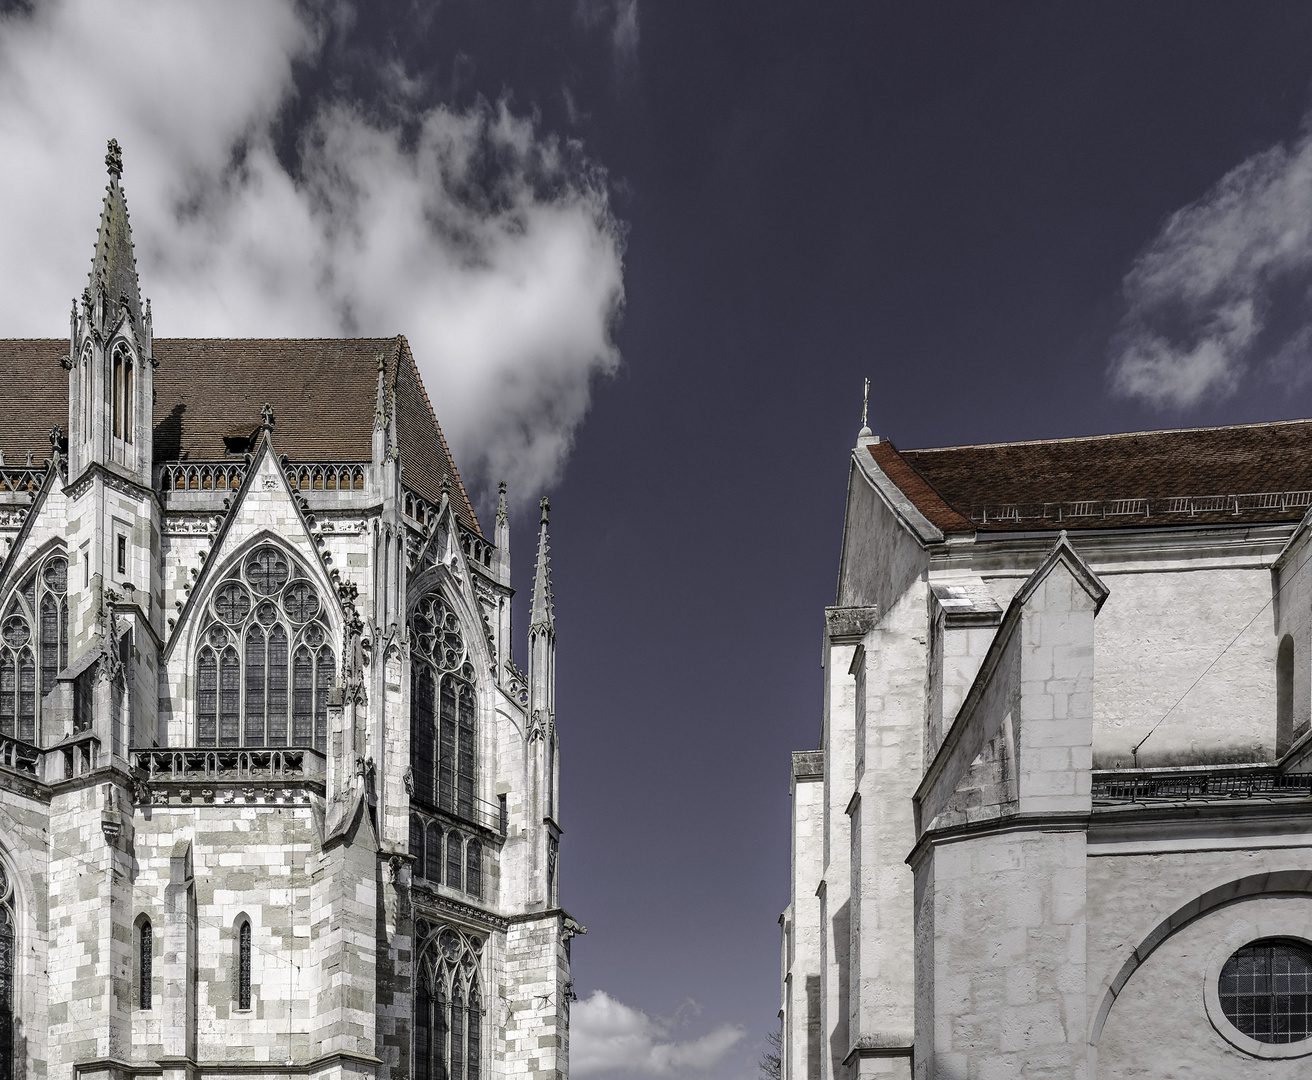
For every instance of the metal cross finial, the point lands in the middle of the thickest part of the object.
(546, 508)
(266, 414)
(865, 404)
(114, 159)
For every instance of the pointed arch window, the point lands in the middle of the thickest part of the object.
(264, 668)
(122, 404)
(86, 393)
(8, 958)
(33, 640)
(145, 963)
(443, 736)
(244, 964)
(448, 1024)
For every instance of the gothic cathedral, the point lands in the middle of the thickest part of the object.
(274, 798)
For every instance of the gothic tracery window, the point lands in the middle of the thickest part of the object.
(448, 1018)
(8, 955)
(33, 635)
(442, 737)
(264, 668)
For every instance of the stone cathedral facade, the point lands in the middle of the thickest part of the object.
(275, 800)
(1058, 819)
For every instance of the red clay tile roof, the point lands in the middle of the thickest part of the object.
(323, 393)
(1243, 474)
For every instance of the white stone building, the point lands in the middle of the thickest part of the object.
(1059, 823)
(275, 800)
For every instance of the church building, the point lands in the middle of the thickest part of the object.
(275, 799)
(1058, 819)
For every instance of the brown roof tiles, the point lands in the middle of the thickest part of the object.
(323, 393)
(1135, 479)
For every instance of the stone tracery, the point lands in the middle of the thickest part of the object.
(264, 667)
(33, 632)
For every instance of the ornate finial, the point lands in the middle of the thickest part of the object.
(56, 437)
(114, 159)
(382, 363)
(266, 415)
(503, 514)
(865, 432)
(446, 486)
(546, 508)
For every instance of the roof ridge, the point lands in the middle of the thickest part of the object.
(1108, 436)
(403, 348)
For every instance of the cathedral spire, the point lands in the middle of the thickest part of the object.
(543, 615)
(114, 265)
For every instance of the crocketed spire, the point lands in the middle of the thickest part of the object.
(543, 614)
(114, 264)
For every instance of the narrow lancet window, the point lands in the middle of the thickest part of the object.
(244, 965)
(145, 970)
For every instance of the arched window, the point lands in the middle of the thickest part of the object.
(448, 1023)
(474, 869)
(454, 852)
(8, 957)
(442, 734)
(264, 632)
(145, 963)
(433, 864)
(244, 964)
(34, 629)
(86, 393)
(1284, 695)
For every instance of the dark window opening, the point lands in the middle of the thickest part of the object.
(121, 557)
(244, 966)
(1266, 990)
(145, 969)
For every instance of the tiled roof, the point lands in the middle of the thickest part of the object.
(323, 393)
(1249, 473)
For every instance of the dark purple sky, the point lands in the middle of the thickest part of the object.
(943, 197)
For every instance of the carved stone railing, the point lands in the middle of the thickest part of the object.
(201, 475)
(325, 475)
(235, 765)
(1198, 785)
(19, 756)
(20, 478)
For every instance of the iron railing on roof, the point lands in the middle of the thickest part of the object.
(1203, 785)
(1186, 506)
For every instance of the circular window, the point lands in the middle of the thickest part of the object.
(1266, 990)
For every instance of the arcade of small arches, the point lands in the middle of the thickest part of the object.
(265, 666)
(446, 856)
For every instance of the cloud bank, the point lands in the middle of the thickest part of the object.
(1200, 297)
(489, 243)
(607, 1036)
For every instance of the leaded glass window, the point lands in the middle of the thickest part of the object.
(244, 965)
(264, 668)
(145, 966)
(448, 1019)
(33, 645)
(454, 851)
(8, 958)
(474, 868)
(443, 736)
(1266, 990)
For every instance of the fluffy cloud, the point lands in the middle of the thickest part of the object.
(607, 1036)
(490, 244)
(1201, 294)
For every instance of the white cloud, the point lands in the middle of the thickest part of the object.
(488, 243)
(1200, 295)
(607, 1036)
(622, 17)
